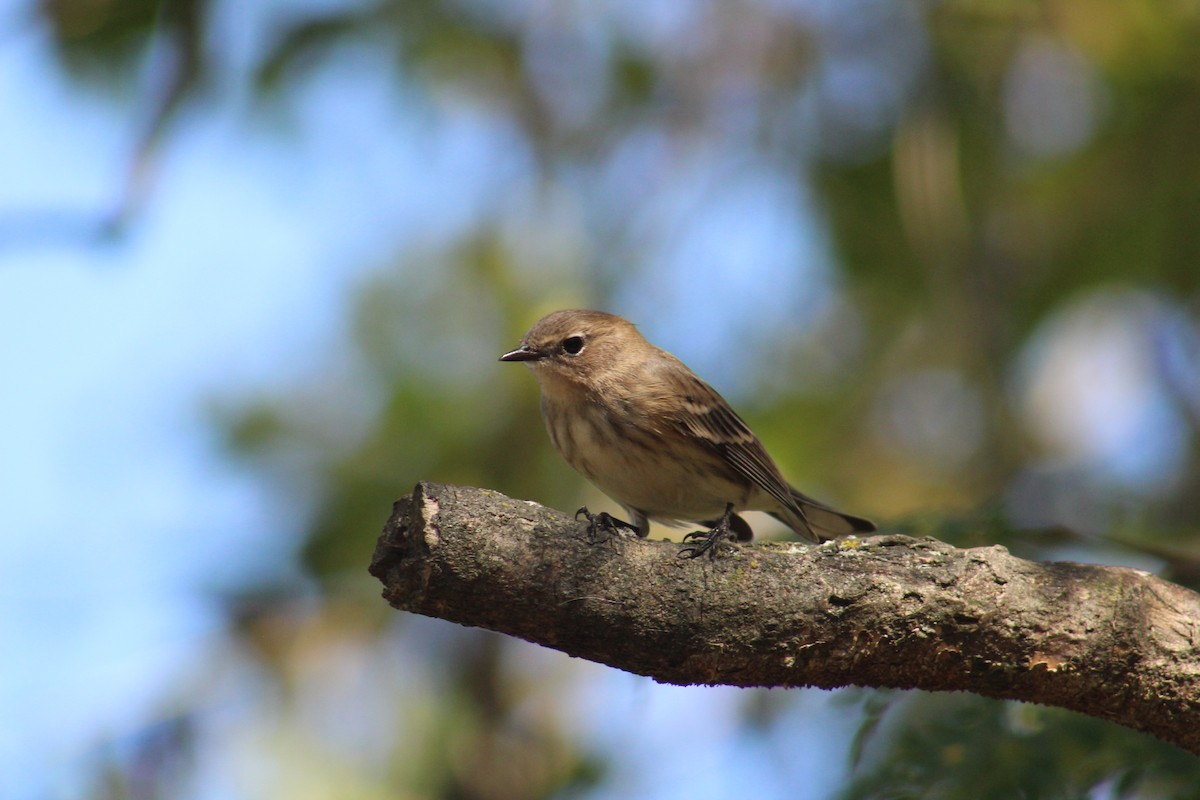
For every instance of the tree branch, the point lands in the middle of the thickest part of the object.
(884, 611)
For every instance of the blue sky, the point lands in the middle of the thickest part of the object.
(118, 512)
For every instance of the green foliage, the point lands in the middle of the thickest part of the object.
(921, 745)
(102, 41)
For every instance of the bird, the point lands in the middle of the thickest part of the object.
(643, 428)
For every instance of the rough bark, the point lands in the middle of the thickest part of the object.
(886, 611)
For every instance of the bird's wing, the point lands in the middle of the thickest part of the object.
(710, 419)
(705, 415)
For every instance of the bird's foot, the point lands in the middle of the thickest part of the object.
(603, 521)
(697, 543)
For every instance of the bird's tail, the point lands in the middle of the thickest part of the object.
(818, 522)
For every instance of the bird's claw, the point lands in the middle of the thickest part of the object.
(704, 542)
(602, 521)
(697, 543)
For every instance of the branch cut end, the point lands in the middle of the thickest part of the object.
(429, 513)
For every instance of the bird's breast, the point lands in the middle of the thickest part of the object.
(643, 465)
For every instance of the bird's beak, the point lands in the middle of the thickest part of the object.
(522, 353)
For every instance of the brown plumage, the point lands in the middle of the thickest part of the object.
(636, 422)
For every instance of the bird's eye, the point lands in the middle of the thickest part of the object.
(573, 345)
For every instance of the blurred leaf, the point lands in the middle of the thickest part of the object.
(963, 746)
(305, 43)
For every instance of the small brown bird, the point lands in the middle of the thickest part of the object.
(637, 423)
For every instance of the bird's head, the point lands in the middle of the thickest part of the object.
(577, 347)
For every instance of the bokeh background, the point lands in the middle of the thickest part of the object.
(257, 261)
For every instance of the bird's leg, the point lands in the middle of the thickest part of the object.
(602, 521)
(707, 541)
